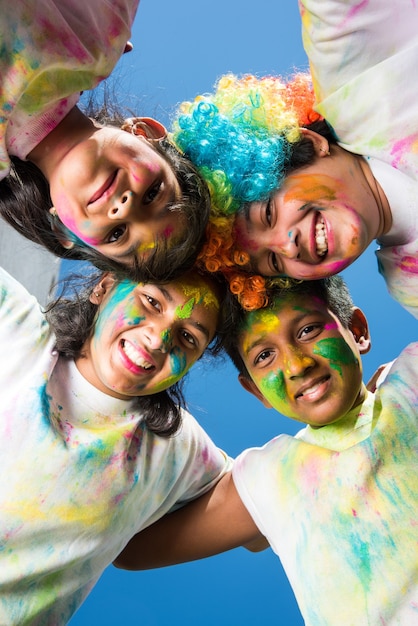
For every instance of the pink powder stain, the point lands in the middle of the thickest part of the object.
(354, 10)
(407, 144)
(58, 39)
(408, 264)
(246, 243)
(167, 232)
(331, 326)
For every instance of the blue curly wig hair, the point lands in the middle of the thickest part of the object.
(241, 138)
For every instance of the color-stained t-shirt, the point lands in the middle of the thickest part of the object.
(50, 51)
(363, 58)
(81, 473)
(338, 505)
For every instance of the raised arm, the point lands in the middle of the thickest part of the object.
(215, 522)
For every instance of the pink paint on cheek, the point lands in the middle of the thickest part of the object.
(244, 241)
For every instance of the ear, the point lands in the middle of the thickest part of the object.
(360, 329)
(104, 286)
(250, 386)
(320, 144)
(66, 243)
(145, 127)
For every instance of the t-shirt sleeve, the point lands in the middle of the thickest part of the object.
(24, 332)
(203, 462)
(251, 473)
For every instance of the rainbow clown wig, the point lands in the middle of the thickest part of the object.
(242, 139)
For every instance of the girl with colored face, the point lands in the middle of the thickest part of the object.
(302, 361)
(147, 336)
(90, 399)
(82, 188)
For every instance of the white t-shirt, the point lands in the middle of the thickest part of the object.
(338, 505)
(81, 474)
(363, 58)
(50, 52)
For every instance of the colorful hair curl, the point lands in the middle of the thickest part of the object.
(241, 139)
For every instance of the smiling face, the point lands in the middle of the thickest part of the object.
(112, 190)
(321, 219)
(303, 361)
(147, 336)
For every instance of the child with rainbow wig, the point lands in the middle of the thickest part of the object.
(304, 176)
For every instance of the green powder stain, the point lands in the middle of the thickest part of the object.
(273, 387)
(337, 351)
(185, 311)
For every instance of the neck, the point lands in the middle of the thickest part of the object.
(382, 204)
(75, 127)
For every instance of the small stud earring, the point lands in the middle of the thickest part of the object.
(326, 152)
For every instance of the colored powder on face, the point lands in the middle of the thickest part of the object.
(273, 387)
(258, 324)
(201, 294)
(310, 188)
(184, 312)
(166, 336)
(128, 314)
(337, 351)
(178, 366)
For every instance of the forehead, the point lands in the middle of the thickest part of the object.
(291, 306)
(309, 186)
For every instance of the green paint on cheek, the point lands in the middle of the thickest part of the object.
(185, 311)
(337, 351)
(273, 387)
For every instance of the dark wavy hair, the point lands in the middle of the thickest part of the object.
(72, 318)
(25, 202)
(332, 290)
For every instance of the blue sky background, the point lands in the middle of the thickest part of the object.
(180, 48)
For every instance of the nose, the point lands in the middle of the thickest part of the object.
(159, 338)
(296, 364)
(121, 206)
(287, 244)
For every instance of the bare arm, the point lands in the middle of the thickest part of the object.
(215, 522)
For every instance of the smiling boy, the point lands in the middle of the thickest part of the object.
(336, 502)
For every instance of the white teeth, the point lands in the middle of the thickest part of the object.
(321, 237)
(310, 390)
(135, 357)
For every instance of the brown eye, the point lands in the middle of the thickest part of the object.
(116, 234)
(152, 192)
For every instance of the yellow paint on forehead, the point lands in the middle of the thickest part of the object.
(201, 295)
(259, 324)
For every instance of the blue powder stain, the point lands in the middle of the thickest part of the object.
(178, 362)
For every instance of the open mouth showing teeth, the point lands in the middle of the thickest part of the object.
(312, 389)
(321, 237)
(134, 356)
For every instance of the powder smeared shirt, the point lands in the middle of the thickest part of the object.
(338, 505)
(363, 58)
(81, 473)
(51, 51)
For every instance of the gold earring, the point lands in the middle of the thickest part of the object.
(53, 211)
(326, 152)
